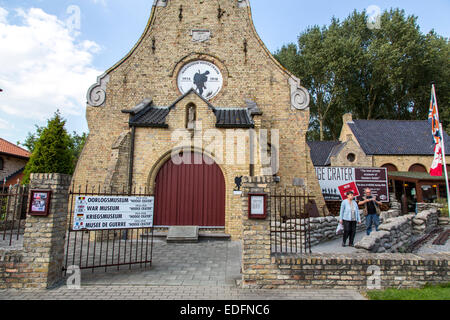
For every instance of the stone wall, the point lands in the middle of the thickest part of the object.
(357, 271)
(393, 236)
(39, 263)
(397, 233)
(425, 221)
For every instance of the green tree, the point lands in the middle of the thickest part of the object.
(77, 142)
(52, 151)
(382, 73)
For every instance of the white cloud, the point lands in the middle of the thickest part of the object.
(102, 2)
(43, 66)
(3, 15)
(5, 125)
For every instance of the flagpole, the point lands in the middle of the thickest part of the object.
(445, 167)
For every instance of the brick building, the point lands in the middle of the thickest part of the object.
(404, 147)
(397, 145)
(198, 82)
(12, 163)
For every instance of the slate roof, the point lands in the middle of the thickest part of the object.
(154, 117)
(321, 151)
(9, 148)
(145, 114)
(395, 137)
(233, 118)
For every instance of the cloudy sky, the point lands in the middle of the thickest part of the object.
(49, 57)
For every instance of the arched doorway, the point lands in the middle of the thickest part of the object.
(418, 168)
(190, 194)
(390, 167)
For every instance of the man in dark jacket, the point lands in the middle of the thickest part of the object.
(371, 210)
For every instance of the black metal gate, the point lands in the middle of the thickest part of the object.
(290, 230)
(13, 212)
(92, 249)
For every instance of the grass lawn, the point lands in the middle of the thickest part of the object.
(440, 292)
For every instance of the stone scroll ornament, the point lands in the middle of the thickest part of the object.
(96, 95)
(300, 97)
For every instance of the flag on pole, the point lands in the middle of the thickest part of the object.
(433, 118)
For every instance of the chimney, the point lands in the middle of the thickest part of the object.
(348, 117)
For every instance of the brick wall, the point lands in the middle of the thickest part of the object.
(11, 165)
(353, 271)
(39, 263)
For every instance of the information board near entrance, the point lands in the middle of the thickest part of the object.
(334, 182)
(113, 212)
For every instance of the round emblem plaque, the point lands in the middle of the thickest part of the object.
(201, 75)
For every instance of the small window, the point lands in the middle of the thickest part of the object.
(351, 157)
(1, 163)
(191, 116)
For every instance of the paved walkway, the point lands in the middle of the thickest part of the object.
(208, 270)
(335, 246)
(207, 263)
(176, 293)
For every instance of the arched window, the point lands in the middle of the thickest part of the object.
(191, 116)
(417, 168)
(1, 163)
(390, 167)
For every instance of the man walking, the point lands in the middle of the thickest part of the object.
(371, 210)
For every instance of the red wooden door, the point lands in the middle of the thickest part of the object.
(190, 194)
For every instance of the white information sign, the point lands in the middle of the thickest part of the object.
(113, 212)
(257, 205)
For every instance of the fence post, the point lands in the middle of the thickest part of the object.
(256, 251)
(44, 237)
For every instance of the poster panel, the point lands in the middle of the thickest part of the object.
(113, 212)
(335, 180)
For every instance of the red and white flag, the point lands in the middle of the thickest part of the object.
(433, 118)
(436, 166)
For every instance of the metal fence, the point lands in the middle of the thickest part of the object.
(93, 249)
(290, 230)
(13, 213)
